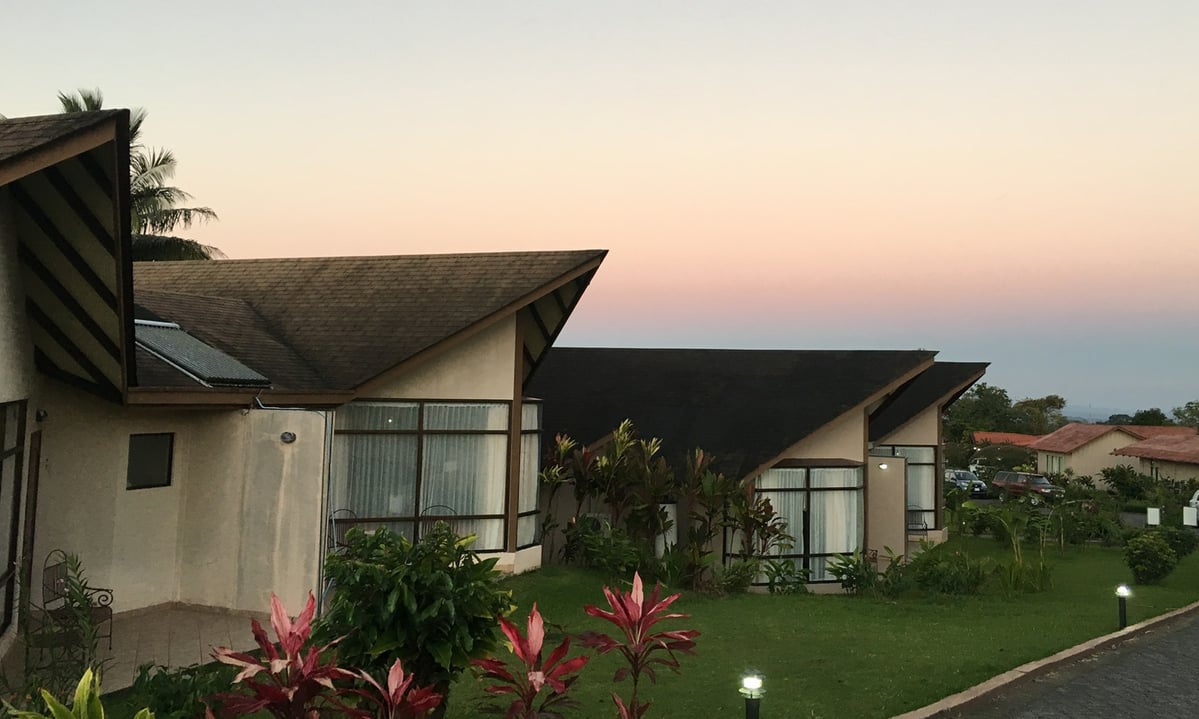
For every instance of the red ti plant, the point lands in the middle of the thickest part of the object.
(292, 681)
(635, 615)
(556, 672)
(401, 700)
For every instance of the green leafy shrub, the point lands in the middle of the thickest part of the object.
(941, 571)
(432, 604)
(1182, 541)
(738, 574)
(896, 578)
(1126, 482)
(596, 544)
(1149, 557)
(181, 693)
(784, 576)
(86, 704)
(856, 572)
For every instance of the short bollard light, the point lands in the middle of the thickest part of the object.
(751, 689)
(1122, 595)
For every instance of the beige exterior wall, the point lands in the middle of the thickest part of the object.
(886, 491)
(843, 438)
(480, 367)
(923, 430)
(241, 518)
(1178, 471)
(1094, 456)
(16, 354)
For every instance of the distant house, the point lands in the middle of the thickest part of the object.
(189, 428)
(1086, 449)
(1166, 456)
(798, 423)
(1013, 439)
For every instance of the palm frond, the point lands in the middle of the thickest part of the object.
(153, 248)
(167, 218)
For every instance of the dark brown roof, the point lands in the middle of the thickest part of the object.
(333, 323)
(745, 407)
(944, 382)
(1183, 448)
(21, 135)
(153, 372)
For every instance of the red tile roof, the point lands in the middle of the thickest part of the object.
(1173, 447)
(1077, 434)
(1013, 438)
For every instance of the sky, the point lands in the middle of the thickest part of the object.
(1013, 182)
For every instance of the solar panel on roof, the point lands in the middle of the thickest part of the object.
(205, 362)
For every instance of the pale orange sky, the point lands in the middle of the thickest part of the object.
(1004, 181)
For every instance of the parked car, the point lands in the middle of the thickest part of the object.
(966, 481)
(1023, 483)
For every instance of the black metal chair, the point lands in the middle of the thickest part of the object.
(73, 615)
(916, 522)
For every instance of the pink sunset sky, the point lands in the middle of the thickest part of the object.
(1013, 182)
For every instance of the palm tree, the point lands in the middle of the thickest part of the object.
(153, 204)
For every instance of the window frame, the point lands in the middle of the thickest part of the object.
(420, 432)
(804, 558)
(892, 450)
(170, 465)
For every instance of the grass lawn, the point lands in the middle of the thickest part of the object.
(840, 656)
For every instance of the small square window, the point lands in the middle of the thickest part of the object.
(149, 460)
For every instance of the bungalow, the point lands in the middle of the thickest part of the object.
(1086, 449)
(189, 428)
(1013, 439)
(1167, 456)
(797, 423)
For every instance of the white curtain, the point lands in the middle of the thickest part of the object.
(922, 491)
(374, 475)
(789, 506)
(836, 521)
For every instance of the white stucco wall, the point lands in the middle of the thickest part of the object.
(242, 517)
(923, 430)
(16, 354)
(481, 367)
(886, 492)
(1178, 471)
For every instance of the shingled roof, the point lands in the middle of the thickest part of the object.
(743, 406)
(333, 323)
(1076, 434)
(22, 135)
(1177, 447)
(940, 384)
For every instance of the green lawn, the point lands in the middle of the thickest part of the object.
(839, 656)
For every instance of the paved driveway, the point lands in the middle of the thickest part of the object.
(1155, 674)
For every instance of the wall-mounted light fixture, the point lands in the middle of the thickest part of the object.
(41, 415)
(882, 465)
(288, 437)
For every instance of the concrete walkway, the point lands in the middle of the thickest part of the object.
(1154, 674)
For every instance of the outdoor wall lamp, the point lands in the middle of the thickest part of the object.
(751, 689)
(882, 465)
(287, 437)
(1122, 595)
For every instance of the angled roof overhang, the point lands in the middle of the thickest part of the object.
(939, 386)
(66, 178)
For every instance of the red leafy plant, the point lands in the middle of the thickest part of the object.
(555, 673)
(293, 680)
(635, 615)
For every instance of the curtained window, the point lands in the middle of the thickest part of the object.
(921, 479)
(823, 508)
(405, 464)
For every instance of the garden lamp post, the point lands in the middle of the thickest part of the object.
(751, 689)
(1122, 594)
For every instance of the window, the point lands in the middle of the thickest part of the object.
(150, 458)
(400, 464)
(824, 512)
(12, 450)
(921, 479)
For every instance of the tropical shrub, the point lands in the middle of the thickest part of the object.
(181, 693)
(86, 704)
(784, 576)
(708, 496)
(431, 604)
(556, 672)
(1183, 541)
(1150, 558)
(635, 615)
(596, 544)
(941, 571)
(857, 574)
(292, 680)
(1126, 482)
(896, 578)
